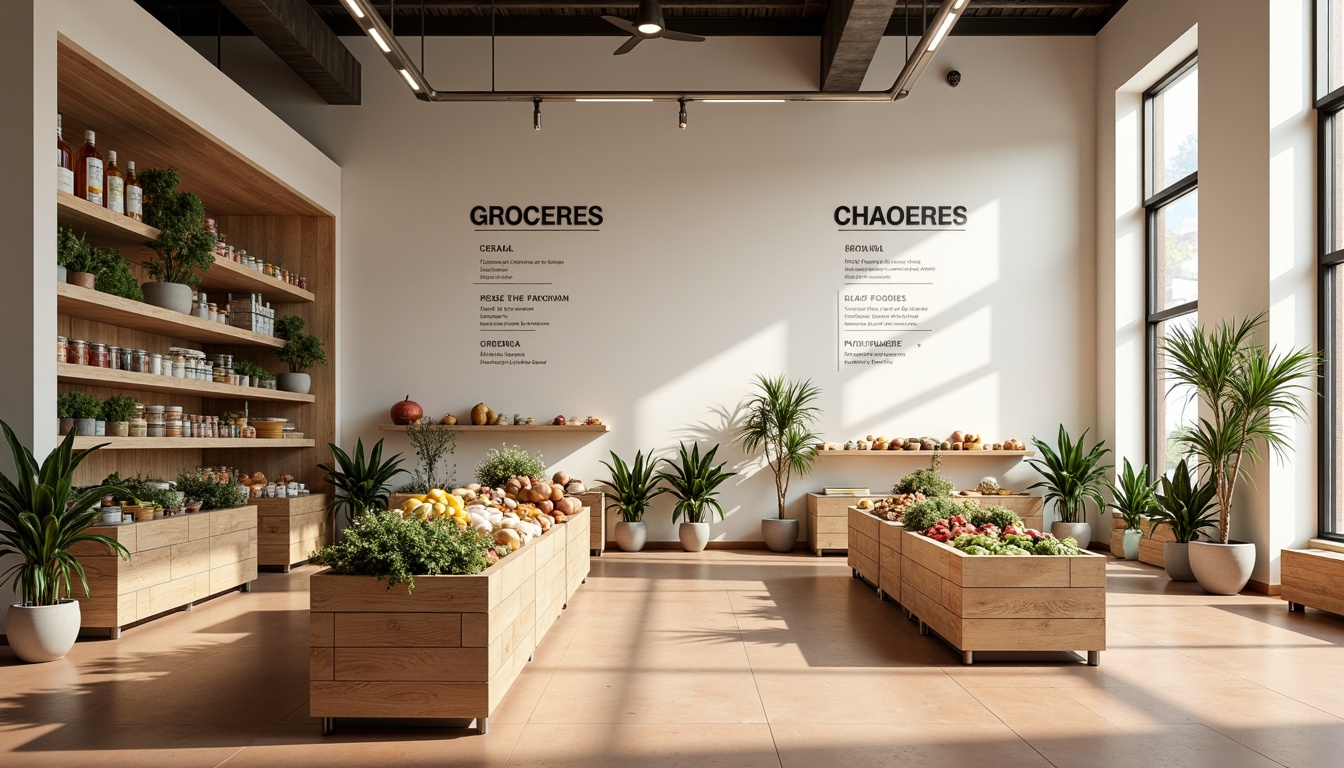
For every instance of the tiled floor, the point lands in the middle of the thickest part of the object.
(720, 658)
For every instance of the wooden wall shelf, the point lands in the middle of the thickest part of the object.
(545, 428)
(68, 373)
(74, 301)
(128, 235)
(927, 454)
(189, 443)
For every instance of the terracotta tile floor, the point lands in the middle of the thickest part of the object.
(721, 658)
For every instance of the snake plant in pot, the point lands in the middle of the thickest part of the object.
(1187, 507)
(1246, 392)
(1134, 498)
(41, 518)
(1071, 478)
(781, 417)
(363, 482)
(630, 490)
(693, 481)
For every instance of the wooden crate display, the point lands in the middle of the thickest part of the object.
(863, 545)
(579, 529)
(889, 559)
(596, 503)
(1152, 546)
(828, 522)
(1005, 603)
(289, 530)
(1313, 577)
(175, 561)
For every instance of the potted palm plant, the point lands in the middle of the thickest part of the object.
(1246, 390)
(1187, 507)
(41, 518)
(184, 249)
(780, 420)
(1134, 498)
(301, 352)
(630, 490)
(363, 483)
(1071, 478)
(693, 481)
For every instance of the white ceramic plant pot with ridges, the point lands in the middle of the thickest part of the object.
(630, 537)
(1080, 532)
(39, 633)
(1222, 569)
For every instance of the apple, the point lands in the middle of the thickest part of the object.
(407, 412)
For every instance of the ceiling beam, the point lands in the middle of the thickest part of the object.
(849, 40)
(303, 40)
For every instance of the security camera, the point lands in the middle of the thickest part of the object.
(954, 78)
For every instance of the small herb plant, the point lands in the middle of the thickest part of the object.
(65, 406)
(84, 406)
(395, 550)
(504, 462)
(212, 492)
(302, 350)
(252, 371)
(632, 487)
(75, 253)
(118, 408)
(185, 249)
(693, 481)
(114, 275)
(928, 481)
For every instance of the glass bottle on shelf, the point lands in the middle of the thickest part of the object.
(65, 162)
(89, 171)
(135, 196)
(115, 184)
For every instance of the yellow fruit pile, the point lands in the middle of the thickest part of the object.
(436, 503)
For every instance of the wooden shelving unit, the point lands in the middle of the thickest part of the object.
(68, 373)
(189, 443)
(106, 228)
(74, 301)
(535, 428)
(927, 454)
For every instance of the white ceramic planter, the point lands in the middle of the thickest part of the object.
(1176, 559)
(779, 535)
(170, 296)
(1131, 543)
(299, 383)
(42, 633)
(1080, 532)
(86, 427)
(694, 536)
(1222, 569)
(630, 537)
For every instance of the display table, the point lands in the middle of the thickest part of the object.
(1313, 577)
(1004, 602)
(175, 561)
(450, 649)
(828, 522)
(290, 530)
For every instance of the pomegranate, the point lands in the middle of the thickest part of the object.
(407, 412)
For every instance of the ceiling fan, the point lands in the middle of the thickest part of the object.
(648, 25)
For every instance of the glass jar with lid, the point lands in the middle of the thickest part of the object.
(60, 349)
(77, 352)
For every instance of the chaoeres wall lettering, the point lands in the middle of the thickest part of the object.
(900, 216)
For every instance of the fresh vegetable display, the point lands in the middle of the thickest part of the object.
(892, 507)
(395, 549)
(957, 441)
(980, 536)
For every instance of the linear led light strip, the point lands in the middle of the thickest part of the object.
(940, 26)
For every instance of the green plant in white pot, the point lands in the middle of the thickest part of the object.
(693, 481)
(184, 249)
(1246, 391)
(1072, 477)
(630, 490)
(41, 518)
(301, 352)
(1134, 498)
(780, 422)
(1187, 508)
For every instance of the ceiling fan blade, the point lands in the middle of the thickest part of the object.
(620, 24)
(682, 36)
(627, 47)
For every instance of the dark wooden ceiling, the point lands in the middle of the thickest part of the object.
(704, 17)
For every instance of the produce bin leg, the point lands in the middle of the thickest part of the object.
(1094, 658)
(854, 572)
(328, 726)
(246, 588)
(482, 725)
(880, 596)
(923, 628)
(189, 607)
(114, 633)
(968, 657)
(285, 569)
(1297, 608)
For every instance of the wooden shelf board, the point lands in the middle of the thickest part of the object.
(917, 454)
(189, 443)
(68, 373)
(104, 227)
(508, 428)
(85, 304)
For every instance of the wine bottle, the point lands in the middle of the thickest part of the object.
(135, 196)
(116, 185)
(89, 171)
(65, 169)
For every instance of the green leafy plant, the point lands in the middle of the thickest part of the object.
(432, 443)
(74, 252)
(1247, 388)
(922, 515)
(252, 370)
(1133, 496)
(210, 490)
(185, 249)
(1072, 477)
(694, 481)
(504, 462)
(632, 488)
(1185, 505)
(928, 481)
(362, 481)
(780, 421)
(302, 350)
(998, 516)
(65, 406)
(114, 275)
(84, 406)
(41, 518)
(118, 408)
(383, 545)
(136, 490)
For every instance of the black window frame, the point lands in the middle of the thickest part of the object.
(1329, 109)
(1153, 203)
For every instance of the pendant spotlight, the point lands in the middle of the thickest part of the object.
(681, 117)
(536, 114)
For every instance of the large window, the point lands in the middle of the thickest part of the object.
(1171, 205)
(1330, 152)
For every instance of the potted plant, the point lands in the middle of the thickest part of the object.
(77, 257)
(630, 490)
(40, 520)
(1072, 477)
(117, 412)
(114, 275)
(694, 481)
(779, 424)
(86, 410)
(301, 352)
(1187, 507)
(362, 482)
(1134, 498)
(1246, 390)
(184, 249)
(65, 418)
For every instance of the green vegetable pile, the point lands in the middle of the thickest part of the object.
(991, 543)
(383, 545)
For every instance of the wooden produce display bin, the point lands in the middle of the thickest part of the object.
(889, 559)
(869, 533)
(579, 537)
(289, 530)
(596, 504)
(1313, 577)
(1153, 545)
(828, 522)
(175, 561)
(1004, 602)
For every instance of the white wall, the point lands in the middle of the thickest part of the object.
(719, 258)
